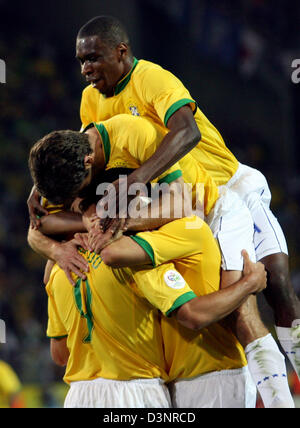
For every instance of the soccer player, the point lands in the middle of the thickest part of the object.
(10, 387)
(119, 83)
(55, 183)
(114, 336)
(108, 337)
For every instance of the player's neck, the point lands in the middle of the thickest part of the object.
(127, 66)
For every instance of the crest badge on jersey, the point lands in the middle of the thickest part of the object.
(134, 110)
(174, 280)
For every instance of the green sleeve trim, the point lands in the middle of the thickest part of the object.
(121, 85)
(146, 246)
(90, 125)
(171, 177)
(105, 140)
(57, 337)
(190, 295)
(176, 106)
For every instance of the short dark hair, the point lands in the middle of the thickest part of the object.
(56, 164)
(107, 28)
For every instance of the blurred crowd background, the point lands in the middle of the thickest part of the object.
(234, 56)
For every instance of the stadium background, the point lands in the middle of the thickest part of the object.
(234, 56)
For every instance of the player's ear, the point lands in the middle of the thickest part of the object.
(89, 160)
(122, 50)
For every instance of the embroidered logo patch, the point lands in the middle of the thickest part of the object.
(174, 280)
(134, 110)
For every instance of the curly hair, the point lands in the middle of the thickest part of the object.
(56, 164)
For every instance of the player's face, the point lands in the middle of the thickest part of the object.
(101, 65)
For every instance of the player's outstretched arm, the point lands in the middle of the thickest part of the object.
(170, 205)
(184, 135)
(202, 311)
(61, 223)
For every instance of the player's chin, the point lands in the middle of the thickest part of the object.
(100, 86)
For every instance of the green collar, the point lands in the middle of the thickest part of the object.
(105, 140)
(123, 83)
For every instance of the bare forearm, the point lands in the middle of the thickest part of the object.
(65, 254)
(174, 146)
(62, 223)
(169, 206)
(42, 244)
(205, 310)
(141, 224)
(155, 215)
(184, 135)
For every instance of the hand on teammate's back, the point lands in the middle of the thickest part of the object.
(70, 261)
(99, 239)
(82, 240)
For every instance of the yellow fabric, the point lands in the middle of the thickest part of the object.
(204, 189)
(156, 94)
(9, 384)
(129, 141)
(112, 330)
(192, 353)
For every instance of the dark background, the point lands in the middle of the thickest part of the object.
(235, 58)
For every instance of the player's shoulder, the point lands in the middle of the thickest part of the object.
(148, 68)
(151, 74)
(90, 92)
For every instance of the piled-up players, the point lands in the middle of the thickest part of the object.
(122, 84)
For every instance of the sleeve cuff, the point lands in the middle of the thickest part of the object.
(57, 337)
(176, 106)
(146, 246)
(171, 177)
(190, 295)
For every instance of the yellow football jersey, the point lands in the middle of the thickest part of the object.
(9, 384)
(192, 353)
(150, 91)
(112, 329)
(129, 141)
